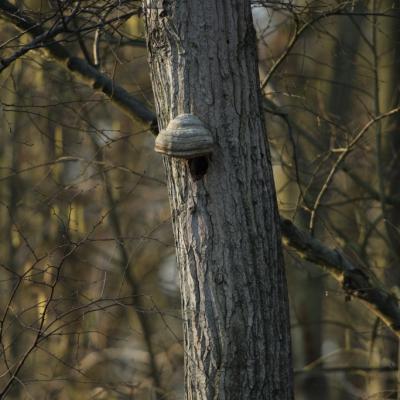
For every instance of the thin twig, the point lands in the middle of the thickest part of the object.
(345, 152)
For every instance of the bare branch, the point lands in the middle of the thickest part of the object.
(79, 68)
(355, 280)
(271, 107)
(342, 156)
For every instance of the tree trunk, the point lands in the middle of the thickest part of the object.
(202, 59)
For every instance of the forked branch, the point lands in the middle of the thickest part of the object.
(78, 67)
(355, 280)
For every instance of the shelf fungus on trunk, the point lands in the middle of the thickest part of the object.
(187, 137)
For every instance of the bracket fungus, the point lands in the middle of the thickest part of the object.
(185, 137)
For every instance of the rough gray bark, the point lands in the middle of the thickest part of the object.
(237, 343)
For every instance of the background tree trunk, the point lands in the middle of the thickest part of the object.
(237, 343)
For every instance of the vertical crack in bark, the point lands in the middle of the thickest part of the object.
(237, 342)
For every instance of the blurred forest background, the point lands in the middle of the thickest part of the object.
(89, 290)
